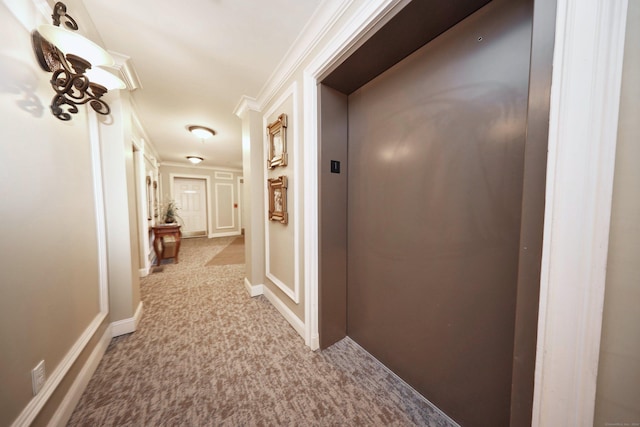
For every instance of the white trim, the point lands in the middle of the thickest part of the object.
(127, 326)
(245, 104)
(311, 224)
(223, 175)
(294, 294)
(365, 18)
(286, 312)
(218, 204)
(585, 96)
(142, 208)
(144, 272)
(199, 167)
(34, 406)
(62, 415)
(227, 234)
(207, 178)
(239, 183)
(253, 290)
(101, 221)
(126, 70)
(316, 29)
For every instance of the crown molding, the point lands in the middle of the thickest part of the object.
(245, 104)
(320, 23)
(126, 70)
(190, 166)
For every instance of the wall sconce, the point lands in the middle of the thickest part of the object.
(194, 159)
(70, 57)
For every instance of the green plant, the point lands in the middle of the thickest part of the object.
(170, 212)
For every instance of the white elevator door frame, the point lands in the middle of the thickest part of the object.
(191, 197)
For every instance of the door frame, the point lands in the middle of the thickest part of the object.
(207, 185)
(566, 369)
(240, 201)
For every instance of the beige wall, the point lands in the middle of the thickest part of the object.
(120, 209)
(280, 255)
(50, 285)
(49, 265)
(618, 386)
(217, 195)
(282, 240)
(252, 167)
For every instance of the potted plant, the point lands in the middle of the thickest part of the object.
(170, 212)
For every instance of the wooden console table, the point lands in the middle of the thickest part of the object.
(161, 231)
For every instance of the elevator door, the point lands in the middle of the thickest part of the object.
(434, 201)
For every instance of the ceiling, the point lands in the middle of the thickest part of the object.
(195, 60)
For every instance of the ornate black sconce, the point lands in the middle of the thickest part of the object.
(72, 71)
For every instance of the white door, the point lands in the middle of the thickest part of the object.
(190, 195)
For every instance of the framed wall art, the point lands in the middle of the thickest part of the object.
(278, 199)
(277, 140)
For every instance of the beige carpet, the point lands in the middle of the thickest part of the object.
(232, 254)
(205, 354)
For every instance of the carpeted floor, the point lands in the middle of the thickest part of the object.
(205, 354)
(232, 254)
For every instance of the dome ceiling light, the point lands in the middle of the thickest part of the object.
(201, 132)
(195, 159)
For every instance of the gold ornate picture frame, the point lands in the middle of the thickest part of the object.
(277, 142)
(278, 199)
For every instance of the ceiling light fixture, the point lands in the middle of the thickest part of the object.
(70, 57)
(194, 159)
(201, 132)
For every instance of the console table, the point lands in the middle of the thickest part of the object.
(160, 231)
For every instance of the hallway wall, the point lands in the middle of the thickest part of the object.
(618, 385)
(50, 277)
(219, 196)
(283, 93)
(54, 283)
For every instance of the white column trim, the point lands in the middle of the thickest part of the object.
(240, 203)
(587, 70)
(99, 203)
(127, 326)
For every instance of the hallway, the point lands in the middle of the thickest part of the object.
(207, 354)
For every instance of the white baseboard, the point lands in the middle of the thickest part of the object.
(286, 312)
(314, 342)
(126, 326)
(253, 290)
(227, 234)
(34, 406)
(143, 272)
(71, 399)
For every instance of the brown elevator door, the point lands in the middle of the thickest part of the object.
(434, 201)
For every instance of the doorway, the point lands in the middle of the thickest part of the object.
(190, 195)
(420, 232)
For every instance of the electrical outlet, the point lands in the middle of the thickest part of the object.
(38, 377)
